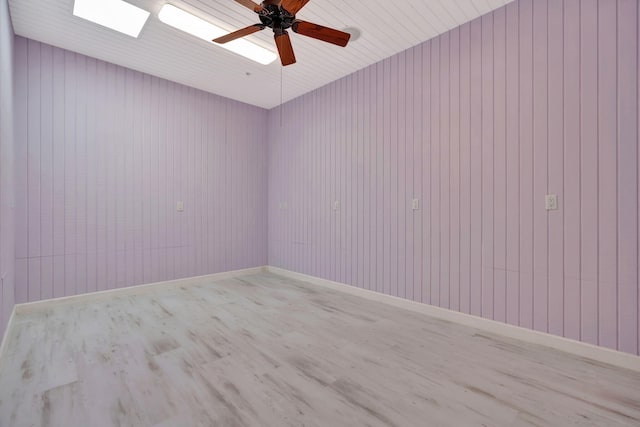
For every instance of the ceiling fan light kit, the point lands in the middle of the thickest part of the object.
(280, 15)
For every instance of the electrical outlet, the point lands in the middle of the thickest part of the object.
(180, 206)
(336, 205)
(551, 202)
(415, 204)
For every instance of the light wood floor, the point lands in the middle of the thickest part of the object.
(263, 350)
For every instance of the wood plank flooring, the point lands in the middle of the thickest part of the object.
(263, 350)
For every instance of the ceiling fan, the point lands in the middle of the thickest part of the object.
(280, 15)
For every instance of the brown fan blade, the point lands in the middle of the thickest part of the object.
(293, 6)
(319, 32)
(240, 33)
(283, 42)
(250, 5)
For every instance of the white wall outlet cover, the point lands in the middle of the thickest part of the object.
(336, 205)
(180, 206)
(551, 202)
(415, 204)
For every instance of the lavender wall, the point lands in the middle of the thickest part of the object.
(6, 167)
(539, 97)
(103, 155)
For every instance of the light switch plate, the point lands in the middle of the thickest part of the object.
(336, 205)
(180, 206)
(415, 204)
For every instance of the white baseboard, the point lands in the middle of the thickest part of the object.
(5, 337)
(578, 348)
(30, 307)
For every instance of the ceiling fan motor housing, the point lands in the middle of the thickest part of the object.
(276, 17)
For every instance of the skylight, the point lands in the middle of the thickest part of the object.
(115, 14)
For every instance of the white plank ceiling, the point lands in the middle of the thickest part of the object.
(386, 27)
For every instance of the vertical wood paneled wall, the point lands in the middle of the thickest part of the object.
(6, 167)
(539, 97)
(103, 155)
